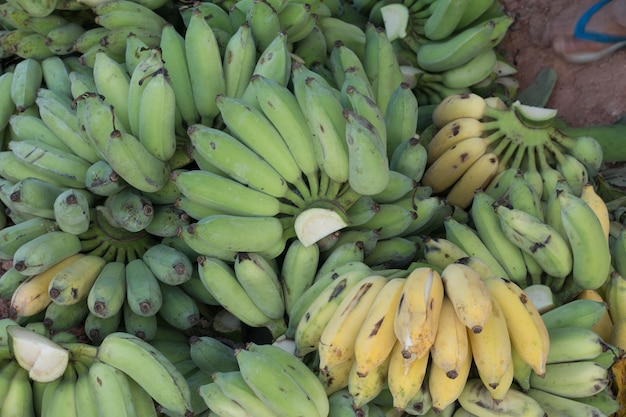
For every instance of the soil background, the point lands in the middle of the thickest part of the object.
(584, 95)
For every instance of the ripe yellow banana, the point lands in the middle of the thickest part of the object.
(443, 389)
(376, 337)
(470, 297)
(491, 350)
(337, 340)
(417, 316)
(450, 351)
(405, 378)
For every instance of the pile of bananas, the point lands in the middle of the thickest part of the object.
(402, 281)
(448, 46)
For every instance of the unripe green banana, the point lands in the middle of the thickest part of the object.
(382, 67)
(298, 271)
(166, 220)
(572, 379)
(179, 309)
(102, 180)
(472, 72)
(143, 292)
(228, 196)
(212, 355)
(205, 66)
(457, 49)
(576, 313)
(368, 166)
(62, 167)
(108, 292)
(72, 212)
(11, 279)
(27, 78)
(61, 120)
(475, 398)
(219, 278)
(32, 127)
(14, 236)
(391, 220)
(128, 210)
(254, 129)
(395, 252)
(199, 246)
(61, 39)
(264, 23)
(253, 365)
(568, 344)
(60, 317)
(323, 112)
(33, 196)
(219, 147)
(144, 327)
(444, 18)
(132, 161)
(112, 82)
(97, 328)
(40, 253)
(590, 250)
(261, 282)
(169, 265)
(401, 116)
(312, 48)
(175, 61)
(347, 250)
(32, 46)
(158, 98)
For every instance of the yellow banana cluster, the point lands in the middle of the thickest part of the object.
(423, 330)
(481, 143)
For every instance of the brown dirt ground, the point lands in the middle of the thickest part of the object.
(584, 95)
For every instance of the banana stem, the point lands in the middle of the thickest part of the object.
(323, 184)
(295, 198)
(333, 189)
(288, 209)
(304, 191)
(313, 181)
(277, 328)
(347, 198)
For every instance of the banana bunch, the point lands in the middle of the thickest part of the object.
(124, 375)
(51, 31)
(477, 143)
(245, 391)
(449, 46)
(377, 330)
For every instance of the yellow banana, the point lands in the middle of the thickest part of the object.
(451, 349)
(469, 295)
(527, 330)
(491, 349)
(376, 337)
(337, 341)
(417, 316)
(590, 196)
(73, 283)
(477, 177)
(450, 166)
(31, 296)
(443, 389)
(404, 377)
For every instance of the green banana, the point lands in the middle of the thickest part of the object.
(212, 355)
(536, 238)
(166, 220)
(169, 265)
(14, 236)
(238, 69)
(158, 98)
(368, 165)
(144, 327)
(31, 127)
(590, 249)
(401, 117)
(179, 309)
(101, 179)
(149, 368)
(128, 209)
(113, 82)
(476, 399)
(219, 278)
(227, 195)
(568, 344)
(61, 39)
(204, 61)
(286, 397)
(297, 271)
(108, 292)
(111, 390)
(97, 328)
(261, 282)
(72, 212)
(27, 78)
(60, 317)
(572, 379)
(235, 388)
(40, 253)
(143, 292)
(444, 18)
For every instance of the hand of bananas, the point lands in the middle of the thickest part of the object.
(191, 183)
